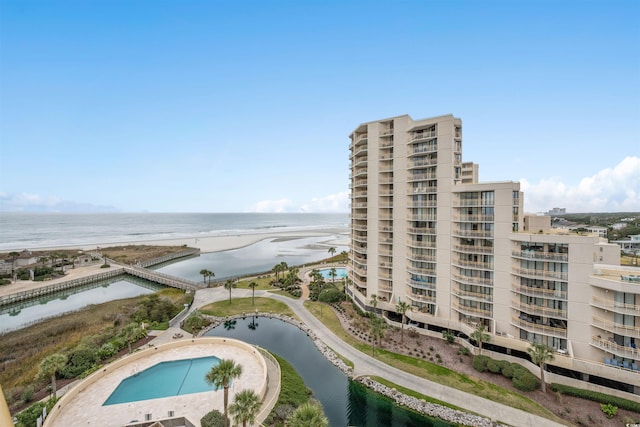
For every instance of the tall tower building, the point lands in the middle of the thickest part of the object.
(463, 254)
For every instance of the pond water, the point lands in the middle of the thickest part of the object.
(25, 313)
(257, 258)
(345, 403)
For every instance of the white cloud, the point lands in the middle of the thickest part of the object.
(332, 203)
(25, 202)
(614, 189)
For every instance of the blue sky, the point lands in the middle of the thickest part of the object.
(233, 106)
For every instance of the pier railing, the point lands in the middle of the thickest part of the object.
(170, 257)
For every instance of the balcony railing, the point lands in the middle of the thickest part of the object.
(610, 346)
(617, 307)
(422, 271)
(422, 135)
(422, 217)
(540, 255)
(473, 264)
(473, 218)
(423, 190)
(473, 249)
(473, 233)
(538, 328)
(424, 244)
(420, 177)
(422, 298)
(427, 149)
(471, 311)
(560, 275)
(472, 280)
(422, 204)
(616, 328)
(422, 162)
(421, 285)
(421, 257)
(386, 144)
(360, 249)
(541, 292)
(360, 151)
(359, 183)
(476, 296)
(538, 310)
(421, 230)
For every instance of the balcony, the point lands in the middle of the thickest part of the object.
(538, 310)
(385, 205)
(422, 298)
(421, 217)
(422, 271)
(413, 204)
(488, 234)
(616, 328)
(473, 218)
(616, 307)
(360, 249)
(359, 195)
(359, 227)
(466, 203)
(477, 281)
(432, 148)
(473, 249)
(421, 177)
(386, 144)
(421, 285)
(544, 256)
(611, 347)
(473, 264)
(360, 151)
(360, 162)
(421, 257)
(419, 163)
(558, 275)
(385, 252)
(421, 231)
(359, 183)
(359, 238)
(360, 172)
(415, 136)
(474, 296)
(424, 244)
(360, 270)
(471, 311)
(541, 292)
(538, 328)
(359, 216)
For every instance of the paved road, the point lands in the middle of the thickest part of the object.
(364, 364)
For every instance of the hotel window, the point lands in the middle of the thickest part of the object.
(487, 198)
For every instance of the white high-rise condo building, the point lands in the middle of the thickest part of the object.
(462, 253)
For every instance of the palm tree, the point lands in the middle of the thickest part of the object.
(277, 269)
(51, 366)
(480, 336)
(132, 333)
(374, 303)
(377, 331)
(245, 407)
(332, 251)
(210, 274)
(307, 415)
(253, 286)
(333, 273)
(402, 308)
(221, 375)
(230, 284)
(13, 256)
(204, 273)
(540, 354)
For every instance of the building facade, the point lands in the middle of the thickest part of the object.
(462, 254)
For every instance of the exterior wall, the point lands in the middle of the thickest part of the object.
(537, 223)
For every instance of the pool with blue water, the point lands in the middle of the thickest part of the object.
(165, 379)
(341, 273)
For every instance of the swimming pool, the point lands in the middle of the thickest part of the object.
(165, 379)
(341, 273)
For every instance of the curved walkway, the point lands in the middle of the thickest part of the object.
(367, 365)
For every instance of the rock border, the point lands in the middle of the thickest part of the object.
(418, 405)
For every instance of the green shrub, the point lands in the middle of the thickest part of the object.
(448, 335)
(493, 366)
(608, 409)
(106, 350)
(503, 364)
(27, 394)
(620, 402)
(195, 323)
(507, 371)
(81, 359)
(214, 418)
(480, 363)
(29, 417)
(525, 381)
(331, 295)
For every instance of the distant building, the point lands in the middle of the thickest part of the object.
(630, 245)
(557, 211)
(25, 258)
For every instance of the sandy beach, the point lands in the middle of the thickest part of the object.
(219, 243)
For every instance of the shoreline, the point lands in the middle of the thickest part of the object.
(208, 243)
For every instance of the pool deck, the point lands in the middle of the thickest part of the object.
(85, 408)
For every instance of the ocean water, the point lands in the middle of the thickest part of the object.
(45, 230)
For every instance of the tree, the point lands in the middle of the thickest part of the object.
(402, 308)
(210, 274)
(230, 284)
(377, 331)
(221, 375)
(206, 274)
(540, 354)
(253, 286)
(132, 333)
(13, 256)
(213, 419)
(332, 251)
(333, 273)
(307, 415)
(480, 336)
(245, 407)
(277, 269)
(50, 366)
(374, 302)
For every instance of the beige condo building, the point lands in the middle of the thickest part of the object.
(462, 253)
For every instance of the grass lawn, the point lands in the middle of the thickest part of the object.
(244, 305)
(263, 283)
(431, 371)
(417, 395)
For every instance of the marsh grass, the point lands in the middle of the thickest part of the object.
(244, 306)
